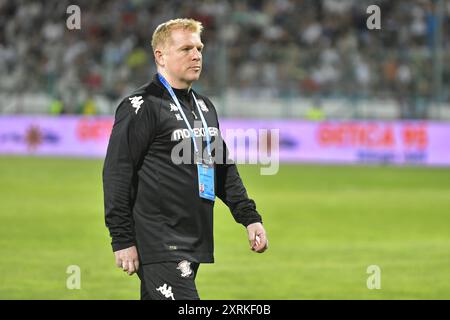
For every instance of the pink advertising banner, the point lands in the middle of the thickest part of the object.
(401, 142)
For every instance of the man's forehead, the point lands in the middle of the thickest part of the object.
(185, 37)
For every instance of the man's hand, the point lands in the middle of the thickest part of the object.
(127, 259)
(257, 237)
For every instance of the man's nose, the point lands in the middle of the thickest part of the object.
(197, 55)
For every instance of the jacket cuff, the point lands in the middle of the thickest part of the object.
(248, 221)
(116, 246)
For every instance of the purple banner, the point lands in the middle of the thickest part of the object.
(402, 142)
(55, 136)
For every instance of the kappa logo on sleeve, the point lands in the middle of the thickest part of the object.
(136, 102)
(173, 107)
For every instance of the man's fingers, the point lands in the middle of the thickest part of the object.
(261, 247)
(127, 259)
(252, 239)
(131, 268)
(257, 240)
(125, 265)
(255, 243)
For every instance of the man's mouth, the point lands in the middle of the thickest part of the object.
(196, 68)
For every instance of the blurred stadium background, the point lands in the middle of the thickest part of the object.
(377, 101)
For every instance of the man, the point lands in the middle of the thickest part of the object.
(159, 212)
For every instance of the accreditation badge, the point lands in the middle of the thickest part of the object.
(206, 181)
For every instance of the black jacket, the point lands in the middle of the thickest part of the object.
(150, 201)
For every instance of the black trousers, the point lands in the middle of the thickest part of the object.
(169, 281)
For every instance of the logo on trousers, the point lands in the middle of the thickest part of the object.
(166, 291)
(185, 267)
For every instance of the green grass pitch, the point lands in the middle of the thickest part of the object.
(326, 225)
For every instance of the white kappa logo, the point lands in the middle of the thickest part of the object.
(202, 105)
(179, 118)
(173, 107)
(136, 102)
(166, 291)
(185, 268)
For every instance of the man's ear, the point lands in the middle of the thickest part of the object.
(159, 57)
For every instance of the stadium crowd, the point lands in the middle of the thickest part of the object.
(283, 48)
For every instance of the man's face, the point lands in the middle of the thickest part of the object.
(183, 56)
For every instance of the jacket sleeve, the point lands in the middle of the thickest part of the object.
(230, 188)
(132, 133)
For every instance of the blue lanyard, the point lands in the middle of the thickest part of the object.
(205, 126)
